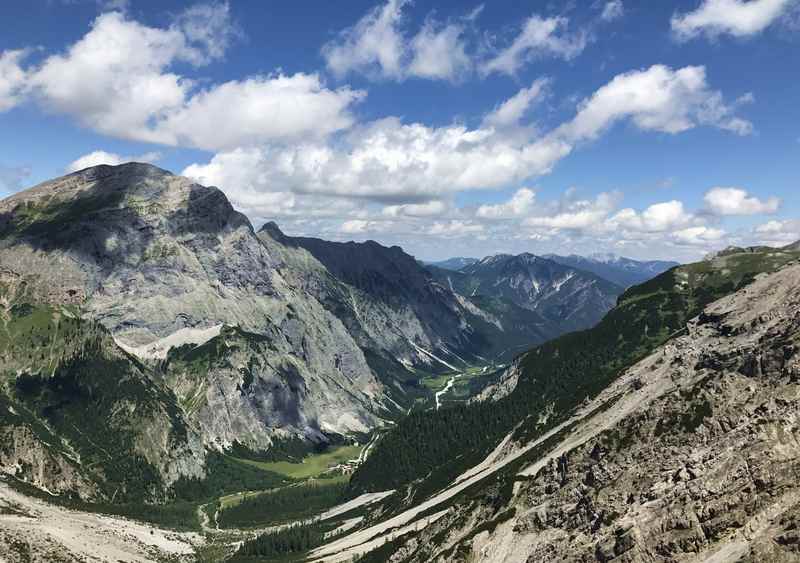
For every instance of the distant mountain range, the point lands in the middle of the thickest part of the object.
(620, 270)
(453, 263)
(566, 297)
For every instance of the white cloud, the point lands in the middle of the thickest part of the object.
(539, 37)
(396, 163)
(428, 209)
(209, 27)
(12, 78)
(739, 18)
(580, 215)
(778, 233)
(388, 160)
(356, 226)
(511, 111)
(612, 10)
(374, 45)
(378, 47)
(596, 221)
(520, 204)
(697, 236)
(455, 228)
(439, 53)
(98, 157)
(656, 99)
(258, 110)
(736, 201)
(657, 218)
(116, 80)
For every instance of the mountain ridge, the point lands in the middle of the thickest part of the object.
(617, 269)
(568, 298)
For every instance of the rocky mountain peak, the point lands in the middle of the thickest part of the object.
(273, 230)
(103, 200)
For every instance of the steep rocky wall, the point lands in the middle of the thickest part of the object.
(695, 459)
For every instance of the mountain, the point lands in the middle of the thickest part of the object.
(394, 304)
(147, 329)
(618, 269)
(663, 433)
(543, 385)
(566, 297)
(454, 264)
(688, 453)
(162, 262)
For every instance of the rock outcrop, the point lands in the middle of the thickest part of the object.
(692, 454)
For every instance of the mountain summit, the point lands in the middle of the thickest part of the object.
(566, 297)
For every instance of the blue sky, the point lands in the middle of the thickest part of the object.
(648, 129)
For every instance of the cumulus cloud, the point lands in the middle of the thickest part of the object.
(740, 18)
(455, 228)
(118, 80)
(428, 209)
(373, 45)
(698, 236)
(439, 52)
(257, 110)
(579, 215)
(12, 78)
(521, 203)
(539, 37)
(356, 226)
(114, 80)
(736, 201)
(511, 111)
(657, 218)
(98, 157)
(656, 99)
(409, 163)
(778, 232)
(388, 160)
(612, 10)
(378, 47)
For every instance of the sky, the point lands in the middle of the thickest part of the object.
(645, 129)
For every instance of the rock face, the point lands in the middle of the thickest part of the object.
(150, 255)
(692, 454)
(227, 336)
(396, 309)
(617, 269)
(566, 298)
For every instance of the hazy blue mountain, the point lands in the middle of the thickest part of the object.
(618, 269)
(566, 297)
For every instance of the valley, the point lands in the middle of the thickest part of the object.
(297, 399)
(399, 282)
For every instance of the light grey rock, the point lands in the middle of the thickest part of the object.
(698, 462)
